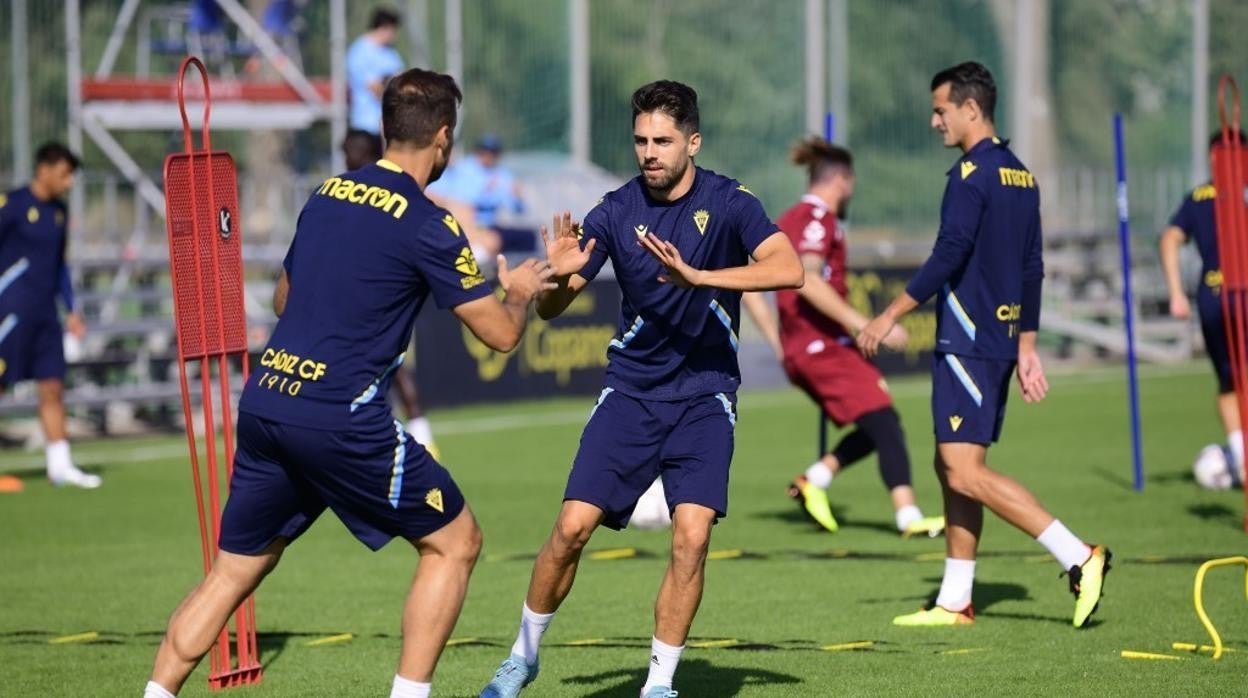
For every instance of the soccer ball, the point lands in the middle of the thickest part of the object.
(1213, 469)
(651, 512)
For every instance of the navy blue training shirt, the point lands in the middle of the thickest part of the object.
(1195, 218)
(986, 264)
(675, 343)
(368, 250)
(32, 253)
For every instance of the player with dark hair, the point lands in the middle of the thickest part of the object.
(313, 432)
(371, 60)
(986, 269)
(680, 239)
(817, 325)
(1195, 221)
(33, 274)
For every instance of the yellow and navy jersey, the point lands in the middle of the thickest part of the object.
(32, 254)
(986, 266)
(1195, 218)
(368, 250)
(675, 343)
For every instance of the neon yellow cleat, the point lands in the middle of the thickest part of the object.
(814, 501)
(933, 616)
(434, 451)
(931, 525)
(1087, 583)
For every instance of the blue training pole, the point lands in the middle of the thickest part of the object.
(1124, 240)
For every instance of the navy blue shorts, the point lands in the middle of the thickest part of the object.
(629, 442)
(1214, 331)
(380, 482)
(968, 398)
(31, 347)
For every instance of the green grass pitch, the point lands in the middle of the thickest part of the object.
(116, 561)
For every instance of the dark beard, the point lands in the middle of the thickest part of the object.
(666, 181)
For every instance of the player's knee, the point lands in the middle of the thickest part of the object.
(571, 534)
(963, 480)
(690, 544)
(470, 548)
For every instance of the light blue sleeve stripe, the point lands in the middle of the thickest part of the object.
(732, 416)
(964, 377)
(726, 321)
(15, 270)
(629, 335)
(963, 318)
(396, 474)
(10, 321)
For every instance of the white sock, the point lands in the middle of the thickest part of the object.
(155, 690)
(819, 475)
(420, 430)
(406, 688)
(663, 661)
(58, 456)
(532, 626)
(955, 588)
(1235, 440)
(907, 515)
(1064, 545)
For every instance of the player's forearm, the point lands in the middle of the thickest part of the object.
(760, 313)
(1027, 342)
(900, 307)
(552, 303)
(767, 274)
(1169, 253)
(518, 315)
(948, 255)
(1029, 320)
(826, 300)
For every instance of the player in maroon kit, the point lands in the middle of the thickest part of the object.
(817, 328)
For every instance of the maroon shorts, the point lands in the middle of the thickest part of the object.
(838, 377)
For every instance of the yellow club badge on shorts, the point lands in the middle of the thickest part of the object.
(955, 421)
(434, 499)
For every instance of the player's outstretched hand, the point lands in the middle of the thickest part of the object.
(523, 283)
(677, 272)
(75, 325)
(1180, 307)
(563, 246)
(897, 338)
(871, 336)
(1031, 377)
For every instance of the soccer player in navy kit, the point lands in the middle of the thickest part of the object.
(986, 269)
(314, 429)
(33, 274)
(1195, 221)
(680, 239)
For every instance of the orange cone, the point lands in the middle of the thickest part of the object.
(10, 484)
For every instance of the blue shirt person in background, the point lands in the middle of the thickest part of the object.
(314, 431)
(680, 239)
(986, 270)
(371, 60)
(482, 182)
(1195, 221)
(33, 273)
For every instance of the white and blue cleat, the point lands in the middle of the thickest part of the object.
(512, 675)
(660, 692)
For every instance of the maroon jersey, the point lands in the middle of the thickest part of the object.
(813, 229)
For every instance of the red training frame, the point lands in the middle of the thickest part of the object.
(205, 265)
(1227, 162)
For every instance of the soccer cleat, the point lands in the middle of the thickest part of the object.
(931, 525)
(71, 476)
(512, 675)
(933, 616)
(660, 692)
(434, 451)
(1087, 583)
(814, 501)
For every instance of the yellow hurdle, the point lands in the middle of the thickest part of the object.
(1198, 596)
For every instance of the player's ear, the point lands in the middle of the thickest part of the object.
(695, 144)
